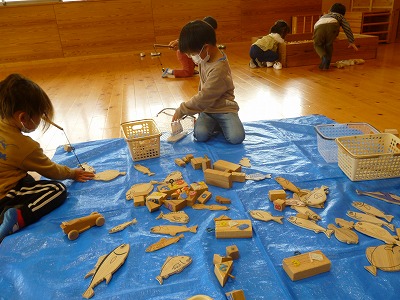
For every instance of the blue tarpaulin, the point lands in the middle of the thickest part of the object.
(40, 262)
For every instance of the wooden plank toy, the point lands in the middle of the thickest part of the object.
(204, 197)
(197, 162)
(306, 265)
(235, 295)
(276, 194)
(227, 166)
(238, 176)
(218, 178)
(217, 259)
(175, 205)
(179, 162)
(199, 186)
(222, 200)
(156, 197)
(187, 158)
(152, 206)
(222, 271)
(139, 201)
(226, 229)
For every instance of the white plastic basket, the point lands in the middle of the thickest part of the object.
(370, 156)
(327, 133)
(143, 138)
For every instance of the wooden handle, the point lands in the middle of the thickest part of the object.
(162, 46)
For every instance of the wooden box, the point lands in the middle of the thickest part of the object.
(233, 229)
(306, 265)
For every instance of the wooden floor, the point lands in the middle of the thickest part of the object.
(93, 95)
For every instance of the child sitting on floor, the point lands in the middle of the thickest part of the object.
(215, 101)
(23, 201)
(264, 52)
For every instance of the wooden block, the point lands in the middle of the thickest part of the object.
(152, 206)
(170, 188)
(175, 205)
(218, 178)
(156, 197)
(276, 194)
(180, 162)
(233, 229)
(196, 162)
(232, 251)
(302, 216)
(199, 186)
(238, 176)
(222, 271)
(279, 204)
(217, 259)
(68, 148)
(204, 197)
(187, 158)
(224, 165)
(235, 295)
(222, 200)
(306, 265)
(138, 201)
(206, 164)
(192, 196)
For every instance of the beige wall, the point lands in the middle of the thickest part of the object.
(110, 26)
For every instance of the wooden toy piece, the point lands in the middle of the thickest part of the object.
(344, 223)
(316, 197)
(383, 257)
(210, 207)
(175, 217)
(265, 216)
(173, 230)
(233, 229)
(88, 168)
(306, 265)
(377, 232)
(302, 216)
(196, 162)
(238, 176)
(305, 210)
(218, 178)
(370, 210)
(173, 176)
(187, 158)
(257, 176)
(143, 169)
(293, 201)
(370, 219)
(68, 148)
(122, 226)
(222, 271)
(175, 205)
(176, 127)
(392, 131)
(199, 187)
(156, 197)
(384, 196)
(217, 259)
(108, 175)
(398, 233)
(279, 204)
(233, 251)
(344, 235)
(206, 163)
(222, 200)
(139, 201)
(287, 185)
(172, 187)
(179, 162)
(173, 265)
(245, 162)
(105, 267)
(204, 197)
(192, 196)
(227, 166)
(140, 189)
(222, 217)
(276, 194)
(164, 242)
(235, 295)
(152, 206)
(310, 225)
(73, 228)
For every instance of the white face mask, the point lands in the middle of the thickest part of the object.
(197, 58)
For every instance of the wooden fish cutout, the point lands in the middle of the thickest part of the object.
(173, 265)
(295, 202)
(316, 197)
(87, 167)
(164, 242)
(383, 257)
(370, 210)
(344, 235)
(287, 185)
(143, 169)
(108, 175)
(140, 189)
(172, 229)
(257, 176)
(210, 207)
(376, 232)
(175, 217)
(105, 267)
(306, 211)
(370, 219)
(245, 162)
(344, 223)
(384, 196)
(122, 226)
(310, 225)
(265, 216)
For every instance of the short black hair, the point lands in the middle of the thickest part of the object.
(194, 35)
(210, 20)
(338, 8)
(280, 27)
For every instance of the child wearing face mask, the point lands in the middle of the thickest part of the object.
(23, 201)
(215, 101)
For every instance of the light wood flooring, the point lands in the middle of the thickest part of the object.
(93, 95)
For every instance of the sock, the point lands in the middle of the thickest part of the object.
(10, 223)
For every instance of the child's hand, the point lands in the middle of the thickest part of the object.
(177, 115)
(82, 175)
(351, 45)
(174, 44)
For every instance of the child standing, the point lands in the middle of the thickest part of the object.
(264, 52)
(23, 201)
(327, 29)
(215, 102)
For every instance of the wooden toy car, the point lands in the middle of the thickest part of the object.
(72, 228)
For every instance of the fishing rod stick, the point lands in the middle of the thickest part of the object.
(159, 59)
(162, 46)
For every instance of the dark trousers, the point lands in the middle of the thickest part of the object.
(263, 56)
(324, 36)
(34, 198)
